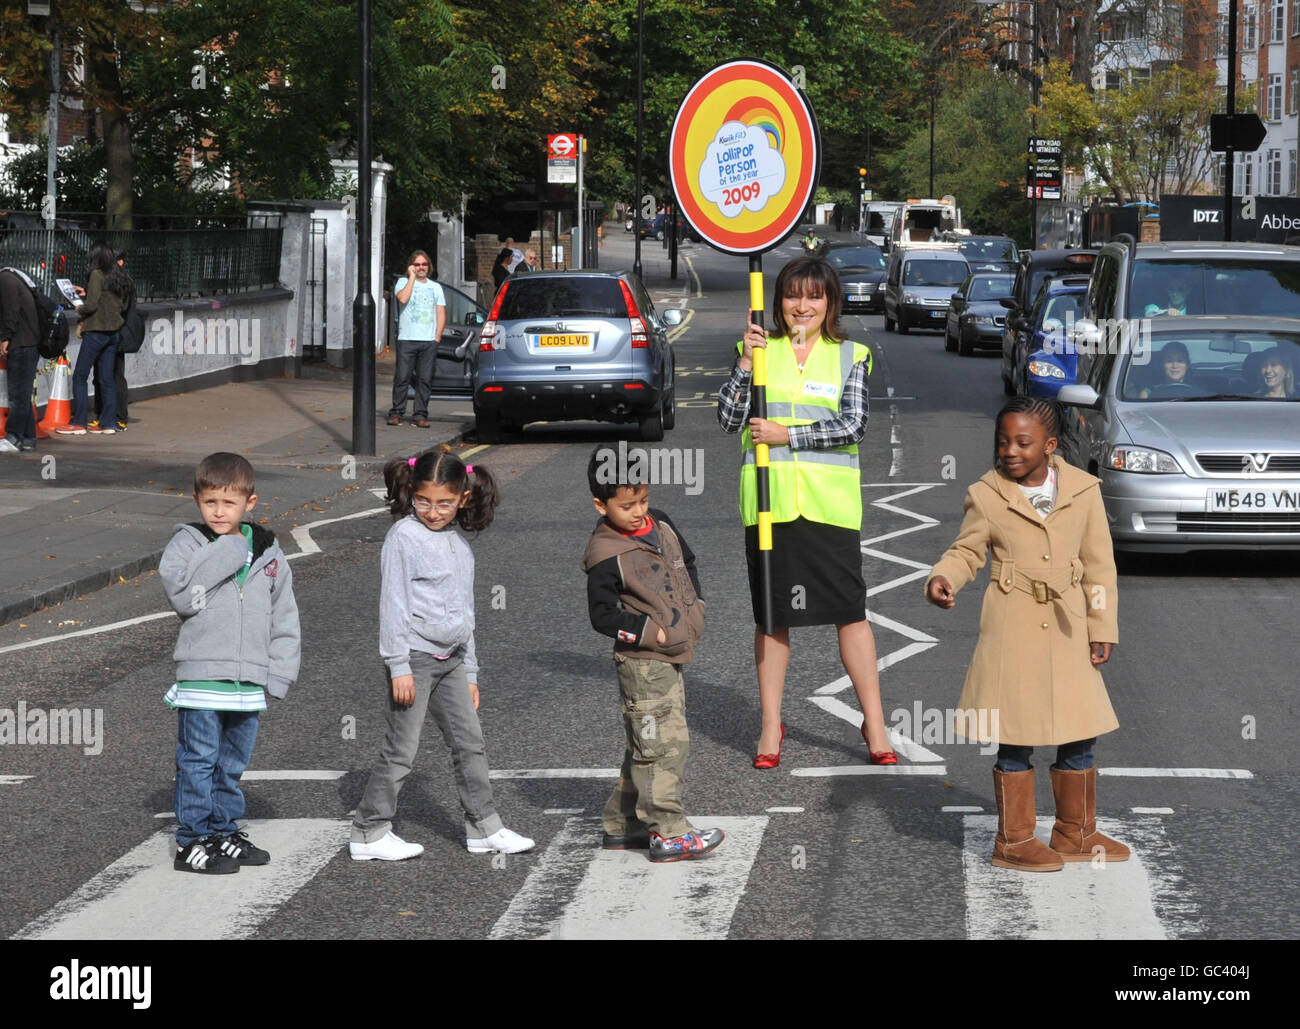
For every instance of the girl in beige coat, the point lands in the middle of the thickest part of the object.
(1049, 619)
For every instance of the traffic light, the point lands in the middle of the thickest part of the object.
(862, 178)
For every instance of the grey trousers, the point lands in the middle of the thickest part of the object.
(442, 688)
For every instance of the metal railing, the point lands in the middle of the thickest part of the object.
(196, 257)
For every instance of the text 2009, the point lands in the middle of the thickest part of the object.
(740, 194)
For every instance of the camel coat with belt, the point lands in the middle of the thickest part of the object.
(1031, 664)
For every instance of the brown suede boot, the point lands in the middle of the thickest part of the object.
(1016, 845)
(1075, 834)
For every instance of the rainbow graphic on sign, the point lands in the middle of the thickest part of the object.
(764, 118)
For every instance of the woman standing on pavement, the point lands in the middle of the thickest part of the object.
(817, 414)
(107, 294)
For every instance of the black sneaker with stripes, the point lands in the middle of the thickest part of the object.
(205, 857)
(238, 846)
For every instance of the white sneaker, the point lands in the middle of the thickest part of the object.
(503, 841)
(6, 447)
(389, 847)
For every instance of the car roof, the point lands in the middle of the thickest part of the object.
(1191, 324)
(929, 251)
(1068, 284)
(845, 246)
(1177, 248)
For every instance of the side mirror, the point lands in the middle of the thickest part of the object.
(1009, 303)
(1079, 396)
(673, 316)
(1085, 336)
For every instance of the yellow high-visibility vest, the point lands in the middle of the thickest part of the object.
(819, 485)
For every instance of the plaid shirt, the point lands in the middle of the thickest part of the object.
(849, 426)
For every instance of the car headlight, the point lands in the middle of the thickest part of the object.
(910, 298)
(1142, 459)
(984, 319)
(1046, 370)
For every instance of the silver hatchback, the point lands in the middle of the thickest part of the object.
(575, 345)
(1195, 434)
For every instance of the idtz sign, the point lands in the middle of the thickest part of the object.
(1254, 219)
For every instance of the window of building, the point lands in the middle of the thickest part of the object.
(1113, 80)
(1276, 20)
(1243, 174)
(1249, 27)
(1274, 182)
(1294, 98)
(1290, 173)
(1295, 17)
(1221, 35)
(1273, 101)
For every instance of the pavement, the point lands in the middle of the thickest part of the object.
(81, 512)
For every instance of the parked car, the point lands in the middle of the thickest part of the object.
(1036, 267)
(1192, 453)
(976, 314)
(457, 360)
(919, 283)
(986, 253)
(575, 345)
(1044, 358)
(861, 268)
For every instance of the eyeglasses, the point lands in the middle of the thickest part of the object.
(443, 507)
(420, 264)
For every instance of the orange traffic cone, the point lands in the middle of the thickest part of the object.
(4, 393)
(58, 412)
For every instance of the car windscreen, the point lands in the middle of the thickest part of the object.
(545, 297)
(988, 250)
(1064, 306)
(991, 287)
(879, 221)
(1215, 286)
(936, 272)
(1211, 366)
(844, 258)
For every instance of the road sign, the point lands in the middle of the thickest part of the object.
(1243, 132)
(562, 157)
(1044, 173)
(744, 155)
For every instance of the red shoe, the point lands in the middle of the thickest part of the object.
(878, 757)
(771, 760)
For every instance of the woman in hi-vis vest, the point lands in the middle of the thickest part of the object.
(817, 414)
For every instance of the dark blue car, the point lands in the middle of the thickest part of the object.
(1051, 361)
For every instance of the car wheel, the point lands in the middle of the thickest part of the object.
(652, 426)
(902, 325)
(889, 323)
(949, 344)
(1008, 387)
(670, 405)
(487, 426)
(964, 349)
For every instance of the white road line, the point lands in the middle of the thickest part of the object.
(577, 891)
(690, 267)
(112, 627)
(563, 811)
(961, 809)
(784, 810)
(302, 533)
(1178, 773)
(1117, 901)
(141, 897)
(292, 774)
(903, 745)
(14, 780)
(1153, 811)
(553, 773)
(839, 770)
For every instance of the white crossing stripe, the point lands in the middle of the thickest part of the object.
(292, 774)
(1115, 901)
(553, 773)
(13, 780)
(834, 770)
(1179, 773)
(141, 897)
(577, 891)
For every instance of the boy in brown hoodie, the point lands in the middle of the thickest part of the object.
(643, 591)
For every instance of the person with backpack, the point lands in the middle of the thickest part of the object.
(107, 295)
(119, 362)
(19, 329)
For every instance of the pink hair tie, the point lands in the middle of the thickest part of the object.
(411, 461)
(469, 469)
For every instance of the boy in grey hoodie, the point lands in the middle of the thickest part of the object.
(230, 583)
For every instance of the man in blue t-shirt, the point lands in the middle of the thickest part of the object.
(423, 314)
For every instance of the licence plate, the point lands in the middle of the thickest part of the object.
(579, 340)
(938, 314)
(1253, 500)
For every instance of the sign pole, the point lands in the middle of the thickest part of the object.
(758, 409)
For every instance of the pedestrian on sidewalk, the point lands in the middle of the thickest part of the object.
(528, 264)
(426, 638)
(107, 293)
(19, 329)
(423, 316)
(239, 640)
(119, 362)
(817, 407)
(1049, 621)
(643, 590)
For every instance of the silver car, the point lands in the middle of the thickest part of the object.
(575, 345)
(1195, 433)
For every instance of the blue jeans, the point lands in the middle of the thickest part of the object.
(21, 427)
(1076, 757)
(416, 360)
(97, 348)
(212, 750)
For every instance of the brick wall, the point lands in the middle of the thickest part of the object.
(486, 248)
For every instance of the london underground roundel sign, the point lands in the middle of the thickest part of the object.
(744, 156)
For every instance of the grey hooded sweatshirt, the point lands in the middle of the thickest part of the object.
(246, 633)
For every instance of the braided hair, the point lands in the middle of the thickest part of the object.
(1050, 414)
(404, 475)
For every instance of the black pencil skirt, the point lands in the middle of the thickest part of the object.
(816, 574)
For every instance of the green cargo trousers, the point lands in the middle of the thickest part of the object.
(648, 794)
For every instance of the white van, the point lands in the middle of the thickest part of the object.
(919, 221)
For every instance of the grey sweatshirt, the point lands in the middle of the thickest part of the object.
(426, 596)
(246, 633)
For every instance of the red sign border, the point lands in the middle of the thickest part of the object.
(749, 242)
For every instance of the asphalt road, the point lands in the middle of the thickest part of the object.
(1195, 779)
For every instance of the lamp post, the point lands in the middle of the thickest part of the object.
(636, 225)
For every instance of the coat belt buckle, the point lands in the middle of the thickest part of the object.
(1040, 591)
